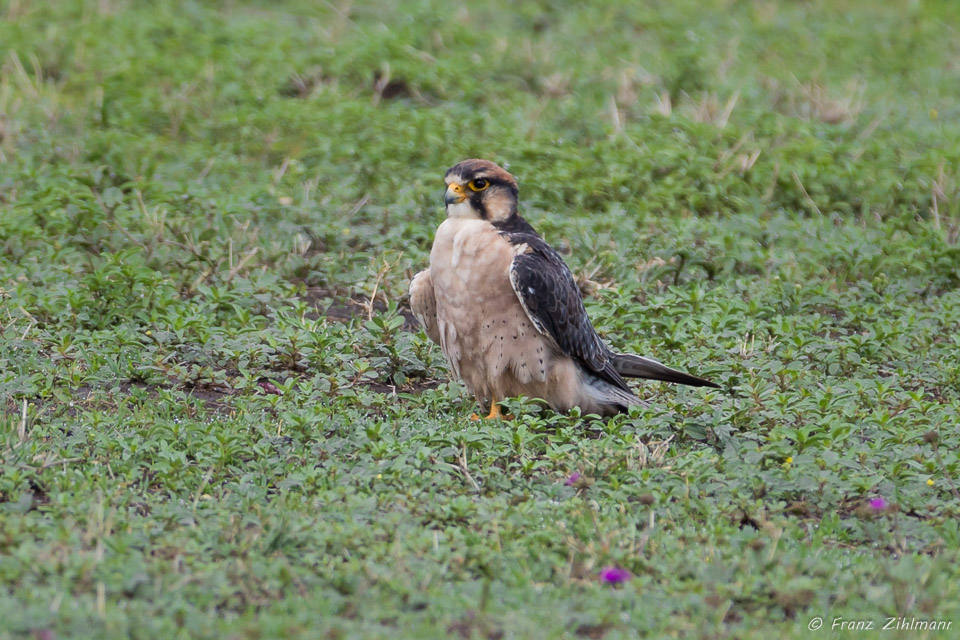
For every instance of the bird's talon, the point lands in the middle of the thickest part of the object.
(497, 413)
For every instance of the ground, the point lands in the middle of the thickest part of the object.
(220, 421)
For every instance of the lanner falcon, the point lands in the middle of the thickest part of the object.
(507, 313)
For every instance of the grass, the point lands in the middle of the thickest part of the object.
(218, 422)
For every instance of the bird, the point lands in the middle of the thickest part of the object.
(507, 313)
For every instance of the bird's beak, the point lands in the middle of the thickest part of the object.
(454, 195)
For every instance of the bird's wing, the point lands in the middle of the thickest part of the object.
(423, 303)
(551, 298)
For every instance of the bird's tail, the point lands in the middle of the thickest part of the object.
(633, 366)
(609, 399)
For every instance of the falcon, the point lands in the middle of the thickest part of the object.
(506, 312)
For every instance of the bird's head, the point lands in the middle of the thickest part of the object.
(480, 189)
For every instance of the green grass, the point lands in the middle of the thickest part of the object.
(194, 195)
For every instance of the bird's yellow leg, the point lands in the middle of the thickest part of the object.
(495, 412)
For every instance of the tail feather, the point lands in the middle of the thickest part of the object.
(608, 399)
(633, 366)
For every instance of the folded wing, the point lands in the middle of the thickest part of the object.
(551, 298)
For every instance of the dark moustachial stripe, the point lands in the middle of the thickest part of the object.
(476, 197)
(476, 201)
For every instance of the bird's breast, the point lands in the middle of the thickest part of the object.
(485, 333)
(469, 252)
(470, 265)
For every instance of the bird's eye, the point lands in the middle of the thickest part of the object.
(479, 184)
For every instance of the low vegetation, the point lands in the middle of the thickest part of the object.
(218, 419)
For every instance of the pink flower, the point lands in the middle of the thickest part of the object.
(572, 480)
(614, 575)
(878, 503)
(269, 387)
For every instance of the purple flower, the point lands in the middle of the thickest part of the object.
(878, 503)
(269, 387)
(572, 480)
(614, 575)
